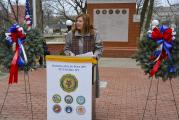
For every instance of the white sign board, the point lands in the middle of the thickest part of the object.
(112, 24)
(136, 18)
(69, 91)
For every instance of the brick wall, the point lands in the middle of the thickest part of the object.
(55, 49)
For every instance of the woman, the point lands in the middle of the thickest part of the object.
(83, 39)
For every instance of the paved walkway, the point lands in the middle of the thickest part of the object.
(118, 63)
(123, 99)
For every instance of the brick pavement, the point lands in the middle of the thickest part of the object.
(123, 98)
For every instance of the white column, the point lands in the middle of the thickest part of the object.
(34, 14)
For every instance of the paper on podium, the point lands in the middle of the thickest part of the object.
(88, 54)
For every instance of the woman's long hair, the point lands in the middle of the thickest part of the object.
(87, 27)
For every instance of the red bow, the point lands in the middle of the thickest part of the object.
(16, 35)
(167, 34)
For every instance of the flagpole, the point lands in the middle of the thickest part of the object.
(34, 14)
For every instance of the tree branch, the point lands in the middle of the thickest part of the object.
(5, 9)
(78, 6)
(5, 14)
(9, 1)
(17, 10)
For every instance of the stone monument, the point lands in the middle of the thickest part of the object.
(118, 24)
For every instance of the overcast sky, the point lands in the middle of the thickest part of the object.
(21, 1)
(164, 2)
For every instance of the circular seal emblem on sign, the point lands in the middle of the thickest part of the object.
(80, 100)
(57, 108)
(68, 109)
(56, 98)
(68, 99)
(69, 83)
(80, 110)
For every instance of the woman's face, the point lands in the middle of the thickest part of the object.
(79, 23)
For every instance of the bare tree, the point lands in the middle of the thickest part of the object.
(146, 16)
(15, 13)
(4, 13)
(9, 12)
(158, 3)
(39, 15)
(68, 8)
(139, 4)
(47, 13)
(149, 14)
(144, 11)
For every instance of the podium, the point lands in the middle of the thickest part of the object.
(71, 88)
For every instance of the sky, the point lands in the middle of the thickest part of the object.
(163, 2)
(21, 1)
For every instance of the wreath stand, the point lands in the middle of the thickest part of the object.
(27, 94)
(156, 98)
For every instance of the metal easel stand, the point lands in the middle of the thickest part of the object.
(26, 84)
(149, 90)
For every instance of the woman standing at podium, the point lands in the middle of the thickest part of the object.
(84, 39)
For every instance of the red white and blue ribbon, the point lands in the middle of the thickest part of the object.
(16, 36)
(164, 38)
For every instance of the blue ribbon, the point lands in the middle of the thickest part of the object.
(9, 41)
(167, 46)
(21, 61)
(13, 28)
(157, 53)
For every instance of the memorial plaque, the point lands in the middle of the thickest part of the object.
(112, 24)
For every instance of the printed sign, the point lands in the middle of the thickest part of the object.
(69, 89)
